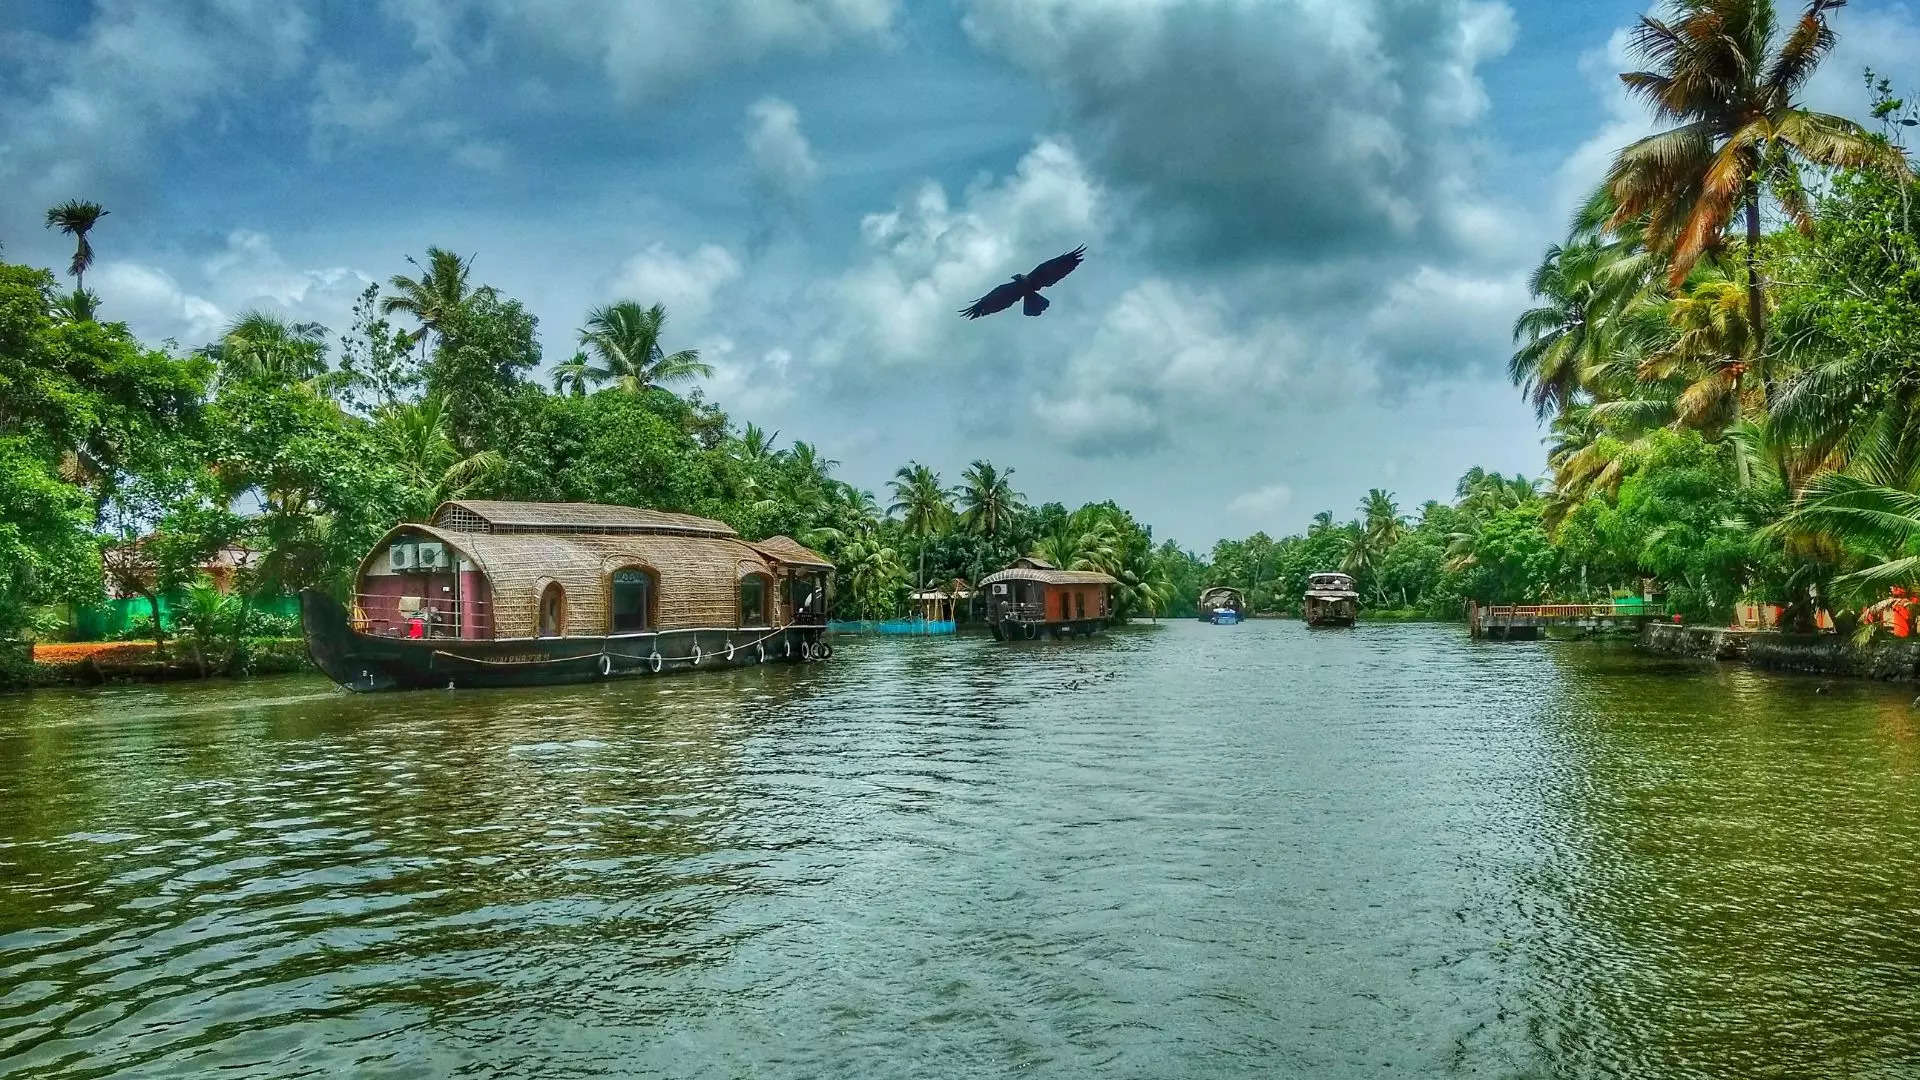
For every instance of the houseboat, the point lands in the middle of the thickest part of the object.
(514, 594)
(1033, 597)
(1330, 600)
(1222, 606)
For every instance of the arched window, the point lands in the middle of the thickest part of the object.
(553, 610)
(753, 600)
(632, 608)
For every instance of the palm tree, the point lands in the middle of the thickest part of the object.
(625, 338)
(436, 296)
(1714, 72)
(1087, 539)
(78, 306)
(76, 218)
(259, 345)
(1321, 525)
(1382, 521)
(575, 375)
(756, 445)
(419, 436)
(988, 501)
(1713, 343)
(807, 464)
(923, 503)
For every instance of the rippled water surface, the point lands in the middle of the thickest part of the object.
(1173, 851)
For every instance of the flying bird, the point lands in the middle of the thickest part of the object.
(1026, 287)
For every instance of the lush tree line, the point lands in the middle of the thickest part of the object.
(1727, 348)
(1489, 544)
(1727, 343)
(129, 466)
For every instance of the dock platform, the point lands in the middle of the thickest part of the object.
(1523, 622)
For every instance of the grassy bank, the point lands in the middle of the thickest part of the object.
(23, 665)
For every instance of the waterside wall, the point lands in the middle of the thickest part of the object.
(1822, 654)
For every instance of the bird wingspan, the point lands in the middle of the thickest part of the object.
(1051, 271)
(999, 299)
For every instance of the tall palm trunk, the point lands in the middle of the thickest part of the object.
(1757, 288)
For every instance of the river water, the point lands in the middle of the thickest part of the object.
(1172, 851)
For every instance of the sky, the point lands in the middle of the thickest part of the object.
(1308, 222)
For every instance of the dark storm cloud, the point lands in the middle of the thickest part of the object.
(1279, 130)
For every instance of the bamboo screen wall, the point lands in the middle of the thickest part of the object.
(699, 576)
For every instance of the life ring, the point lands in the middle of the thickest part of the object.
(786, 650)
(823, 650)
(1031, 631)
(763, 651)
(729, 650)
(606, 664)
(654, 661)
(696, 654)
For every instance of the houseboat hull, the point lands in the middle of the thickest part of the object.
(366, 663)
(1024, 630)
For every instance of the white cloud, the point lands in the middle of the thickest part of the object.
(927, 258)
(1262, 504)
(150, 301)
(245, 273)
(1167, 356)
(782, 159)
(686, 284)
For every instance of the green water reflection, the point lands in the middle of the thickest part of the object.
(1175, 851)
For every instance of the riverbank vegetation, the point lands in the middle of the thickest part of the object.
(1726, 346)
(292, 449)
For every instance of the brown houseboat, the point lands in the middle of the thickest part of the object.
(510, 594)
(1033, 597)
(1330, 600)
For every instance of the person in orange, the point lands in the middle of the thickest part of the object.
(1900, 613)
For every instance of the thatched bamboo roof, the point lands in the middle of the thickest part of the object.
(1049, 576)
(491, 516)
(785, 549)
(1221, 594)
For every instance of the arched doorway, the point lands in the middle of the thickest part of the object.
(553, 610)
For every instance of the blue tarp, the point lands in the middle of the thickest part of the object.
(892, 626)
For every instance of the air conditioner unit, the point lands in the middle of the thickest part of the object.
(1000, 588)
(431, 557)
(402, 556)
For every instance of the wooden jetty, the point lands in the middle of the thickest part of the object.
(1523, 622)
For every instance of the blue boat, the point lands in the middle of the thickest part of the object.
(1222, 605)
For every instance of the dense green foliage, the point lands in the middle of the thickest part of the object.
(127, 467)
(1734, 410)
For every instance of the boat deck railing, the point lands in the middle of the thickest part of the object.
(439, 618)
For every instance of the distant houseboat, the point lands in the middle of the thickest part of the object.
(511, 594)
(1331, 600)
(1222, 606)
(1033, 597)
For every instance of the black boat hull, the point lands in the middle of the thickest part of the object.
(364, 663)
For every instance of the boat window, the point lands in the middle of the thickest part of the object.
(553, 610)
(753, 601)
(632, 601)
